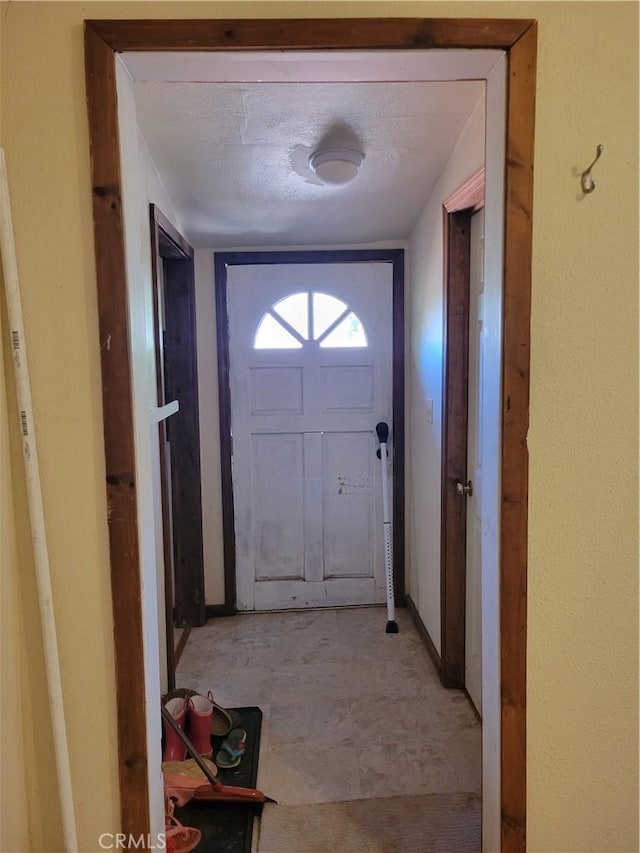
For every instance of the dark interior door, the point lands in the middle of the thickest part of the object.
(177, 379)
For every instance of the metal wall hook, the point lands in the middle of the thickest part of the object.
(588, 184)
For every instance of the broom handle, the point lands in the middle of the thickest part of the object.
(36, 517)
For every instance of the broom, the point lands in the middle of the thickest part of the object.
(216, 791)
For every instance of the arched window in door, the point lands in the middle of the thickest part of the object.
(310, 316)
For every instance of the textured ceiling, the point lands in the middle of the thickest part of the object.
(233, 156)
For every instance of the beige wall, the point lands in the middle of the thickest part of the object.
(582, 647)
(582, 643)
(209, 427)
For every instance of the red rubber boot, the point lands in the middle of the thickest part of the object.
(199, 724)
(174, 749)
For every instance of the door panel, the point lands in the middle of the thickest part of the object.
(278, 467)
(348, 511)
(276, 390)
(310, 350)
(347, 388)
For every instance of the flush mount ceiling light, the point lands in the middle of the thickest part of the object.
(336, 165)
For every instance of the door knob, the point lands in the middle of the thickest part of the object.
(464, 488)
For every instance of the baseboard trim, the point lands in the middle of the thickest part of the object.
(473, 707)
(182, 642)
(212, 611)
(424, 633)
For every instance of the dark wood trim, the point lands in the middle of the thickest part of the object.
(473, 707)
(515, 425)
(311, 256)
(425, 636)
(156, 273)
(324, 256)
(122, 515)
(102, 40)
(182, 642)
(181, 382)
(422, 629)
(183, 249)
(398, 430)
(177, 378)
(307, 33)
(214, 611)
(226, 444)
(453, 529)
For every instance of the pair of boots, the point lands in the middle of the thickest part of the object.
(193, 715)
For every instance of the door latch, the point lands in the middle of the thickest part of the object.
(464, 488)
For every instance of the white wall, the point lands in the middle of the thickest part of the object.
(424, 444)
(424, 377)
(490, 414)
(425, 363)
(141, 186)
(209, 428)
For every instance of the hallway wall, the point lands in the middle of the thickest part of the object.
(209, 428)
(583, 547)
(425, 359)
(425, 356)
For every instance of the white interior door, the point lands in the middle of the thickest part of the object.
(310, 350)
(473, 632)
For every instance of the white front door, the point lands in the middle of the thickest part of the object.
(310, 349)
(473, 632)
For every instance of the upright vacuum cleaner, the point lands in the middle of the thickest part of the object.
(382, 430)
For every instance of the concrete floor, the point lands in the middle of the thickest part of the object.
(349, 711)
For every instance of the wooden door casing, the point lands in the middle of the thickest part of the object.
(222, 262)
(103, 40)
(176, 379)
(314, 537)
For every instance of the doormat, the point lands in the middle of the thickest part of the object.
(228, 827)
